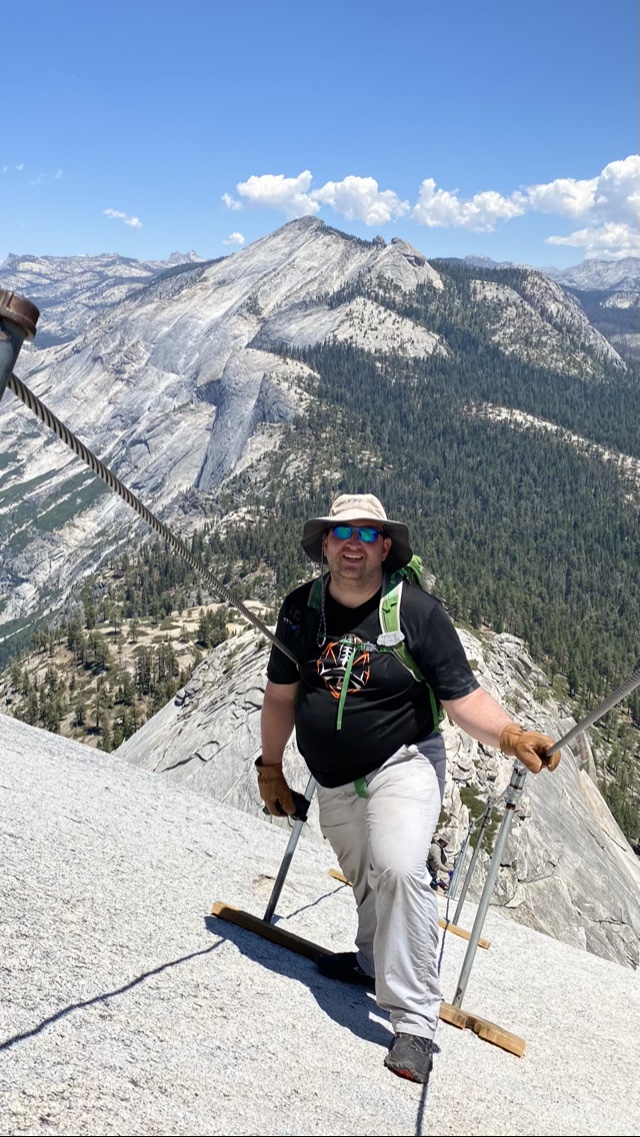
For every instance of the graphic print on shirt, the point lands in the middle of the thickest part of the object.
(334, 660)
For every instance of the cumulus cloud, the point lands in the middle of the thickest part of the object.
(611, 215)
(480, 214)
(288, 195)
(611, 242)
(231, 202)
(567, 197)
(234, 239)
(608, 205)
(118, 215)
(359, 199)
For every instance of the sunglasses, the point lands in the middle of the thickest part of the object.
(365, 533)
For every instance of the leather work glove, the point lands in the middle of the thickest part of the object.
(529, 747)
(274, 790)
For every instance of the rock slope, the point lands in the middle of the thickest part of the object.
(125, 1008)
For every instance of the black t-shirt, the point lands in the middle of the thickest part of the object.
(385, 707)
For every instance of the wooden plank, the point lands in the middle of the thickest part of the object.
(458, 931)
(274, 932)
(445, 924)
(337, 875)
(454, 1016)
(487, 1031)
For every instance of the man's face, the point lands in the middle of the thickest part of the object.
(354, 561)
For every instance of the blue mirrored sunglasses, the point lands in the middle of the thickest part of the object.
(366, 533)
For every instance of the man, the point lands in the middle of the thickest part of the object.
(437, 863)
(367, 730)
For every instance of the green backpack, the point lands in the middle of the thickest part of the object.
(391, 637)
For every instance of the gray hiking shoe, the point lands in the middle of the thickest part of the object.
(411, 1057)
(344, 966)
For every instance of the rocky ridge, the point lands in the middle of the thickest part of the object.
(72, 291)
(540, 313)
(178, 384)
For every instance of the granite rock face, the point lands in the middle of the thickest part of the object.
(168, 383)
(176, 378)
(567, 869)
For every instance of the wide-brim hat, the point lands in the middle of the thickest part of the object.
(346, 510)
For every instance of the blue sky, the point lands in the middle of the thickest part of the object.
(495, 128)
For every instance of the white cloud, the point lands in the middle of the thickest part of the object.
(612, 214)
(20, 166)
(618, 191)
(359, 199)
(58, 174)
(234, 239)
(480, 214)
(289, 195)
(566, 196)
(611, 242)
(118, 215)
(608, 205)
(231, 202)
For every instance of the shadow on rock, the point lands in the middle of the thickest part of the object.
(350, 1007)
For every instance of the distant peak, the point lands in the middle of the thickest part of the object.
(185, 258)
(302, 223)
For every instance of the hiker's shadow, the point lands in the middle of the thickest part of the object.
(349, 1006)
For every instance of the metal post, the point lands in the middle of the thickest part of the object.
(18, 319)
(286, 860)
(513, 795)
(476, 852)
(459, 865)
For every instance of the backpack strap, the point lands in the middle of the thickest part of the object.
(315, 595)
(392, 638)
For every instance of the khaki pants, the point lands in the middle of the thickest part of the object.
(382, 842)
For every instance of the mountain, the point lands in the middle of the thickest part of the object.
(607, 291)
(609, 294)
(174, 380)
(595, 275)
(127, 1008)
(71, 291)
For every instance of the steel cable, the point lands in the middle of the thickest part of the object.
(69, 438)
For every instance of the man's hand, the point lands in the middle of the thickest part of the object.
(529, 747)
(274, 790)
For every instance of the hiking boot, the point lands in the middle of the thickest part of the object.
(411, 1056)
(343, 965)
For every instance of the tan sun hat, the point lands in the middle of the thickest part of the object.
(349, 508)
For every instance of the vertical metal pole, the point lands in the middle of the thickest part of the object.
(514, 793)
(18, 319)
(286, 860)
(457, 872)
(476, 852)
